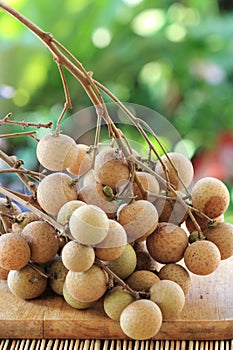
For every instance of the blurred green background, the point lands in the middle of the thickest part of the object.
(174, 57)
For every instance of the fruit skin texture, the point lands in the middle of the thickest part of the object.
(142, 280)
(87, 286)
(73, 302)
(183, 166)
(170, 210)
(139, 219)
(167, 243)
(82, 160)
(169, 296)
(149, 183)
(14, 251)
(176, 273)
(89, 224)
(26, 283)
(125, 264)
(56, 152)
(221, 234)
(141, 319)
(54, 191)
(210, 196)
(111, 167)
(115, 301)
(202, 257)
(77, 257)
(42, 241)
(202, 222)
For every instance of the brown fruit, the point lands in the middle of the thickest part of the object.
(73, 302)
(77, 257)
(167, 243)
(139, 219)
(125, 264)
(221, 234)
(142, 280)
(149, 183)
(202, 257)
(176, 273)
(210, 196)
(203, 222)
(14, 251)
(3, 273)
(42, 241)
(57, 274)
(170, 210)
(82, 160)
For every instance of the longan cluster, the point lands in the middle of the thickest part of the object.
(133, 237)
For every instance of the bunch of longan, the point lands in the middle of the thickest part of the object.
(133, 235)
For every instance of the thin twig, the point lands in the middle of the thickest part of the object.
(18, 134)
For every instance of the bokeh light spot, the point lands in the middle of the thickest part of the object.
(101, 37)
(148, 22)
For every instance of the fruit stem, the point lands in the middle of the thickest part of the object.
(38, 269)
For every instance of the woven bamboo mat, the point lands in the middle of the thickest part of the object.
(58, 344)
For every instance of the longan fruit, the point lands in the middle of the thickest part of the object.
(56, 152)
(54, 191)
(221, 234)
(202, 257)
(82, 161)
(22, 220)
(167, 243)
(3, 274)
(176, 273)
(113, 244)
(14, 251)
(77, 257)
(89, 224)
(183, 166)
(125, 264)
(202, 221)
(144, 259)
(210, 196)
(139, 219)
(115, 301)
(57, 274)
(73, 302)
(170, 210)
(64, 213)
(42, 240)
(148, 182)
(141, 319)
(142, 280)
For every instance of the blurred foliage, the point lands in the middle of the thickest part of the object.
(174, 57)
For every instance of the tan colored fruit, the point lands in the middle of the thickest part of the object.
(64, 213)
(89, 224)
(125, 264)
(73, 302)
(149, 183)
(77, 257)
(42, 240)
(144, 259)
(183, 166)
(202, 257)
(221, 234)
(57, 274)
(170, 210)
(89, 178)
(54, 191)
(26, 283)
(115, 301)
(87, 286)
(82, 161)
(169, 296)
(141, 319)
(210, 196)
(167, 243)
(56, 152)
(139, 219)
(111, 167)
(113, 244)
(3, 273)
(176, 273)
(94, 194)
(14, 251)
(203, 222)
(22, 220)
(10, 208)
(142, 280)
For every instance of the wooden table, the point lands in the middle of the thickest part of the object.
(207, 315)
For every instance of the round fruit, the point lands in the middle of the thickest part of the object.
(87, 286)
(202, 257)
(149, 183)
(183, 167)
(42, 240)
(77, 257)
(54, 191)
(57, 274)
(115, 301)
(89, 224)
(64, 213)
(141, 319)
(176, 273)
(169, 296)
(14, 251)
(26, 283)
(82, 161)
(125, 264)
(73, 302)
(221, 234)
(111, 167)
(144, 259)
(3, 273)
(94, 194)
(139, 219)
(170, 210)
(142, 280)
(113, 244)
(56, 152)
(202, 221)
(210, 196)
(167, 243)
